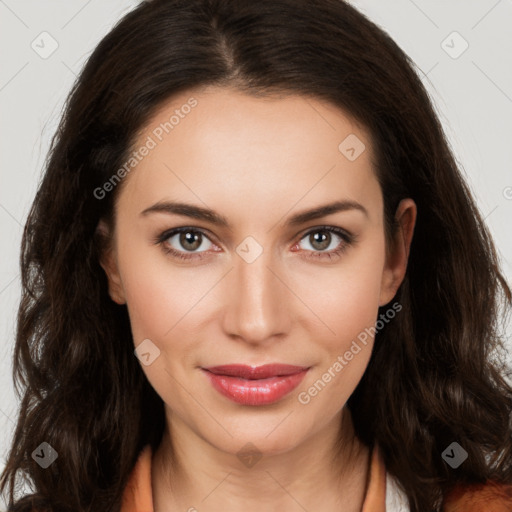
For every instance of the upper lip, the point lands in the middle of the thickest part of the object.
(256, 372)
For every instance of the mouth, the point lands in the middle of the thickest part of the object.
(259, 385)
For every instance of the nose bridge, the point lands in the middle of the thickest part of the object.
(256, 307)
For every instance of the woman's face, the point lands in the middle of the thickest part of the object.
(269, 284)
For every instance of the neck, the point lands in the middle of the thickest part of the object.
(330, 467)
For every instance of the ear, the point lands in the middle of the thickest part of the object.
(398, 253)
(108, 261)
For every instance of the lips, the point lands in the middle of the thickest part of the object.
(261, 385)
(265, 371)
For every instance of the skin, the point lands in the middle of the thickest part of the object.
(256, 161)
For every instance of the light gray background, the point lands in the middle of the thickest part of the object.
(472, 94)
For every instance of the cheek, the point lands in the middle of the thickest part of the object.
(159, 299)
(158, 292)
(345, 296)
(350, 310)
(149, 299)
(161, 302)
(347, 301)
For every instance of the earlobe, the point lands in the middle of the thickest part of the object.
(108, 262)
(398, 254)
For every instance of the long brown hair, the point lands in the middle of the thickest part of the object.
(434, 376)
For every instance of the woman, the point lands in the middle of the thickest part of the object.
(329, 339)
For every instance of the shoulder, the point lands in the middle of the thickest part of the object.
(491, 497)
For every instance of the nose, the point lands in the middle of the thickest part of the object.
(259, 303)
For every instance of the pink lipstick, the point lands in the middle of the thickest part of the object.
(260, 385)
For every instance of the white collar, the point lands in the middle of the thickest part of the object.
(396, 500)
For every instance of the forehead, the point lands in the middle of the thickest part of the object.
(214, 144)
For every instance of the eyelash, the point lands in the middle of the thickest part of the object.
(348, 240)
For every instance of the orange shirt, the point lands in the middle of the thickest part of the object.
(138, 493)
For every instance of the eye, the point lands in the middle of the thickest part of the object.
(185, 240)
(321, 238)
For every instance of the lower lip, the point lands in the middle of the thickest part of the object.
(255, 392)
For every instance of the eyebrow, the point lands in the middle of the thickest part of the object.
(205, 214)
